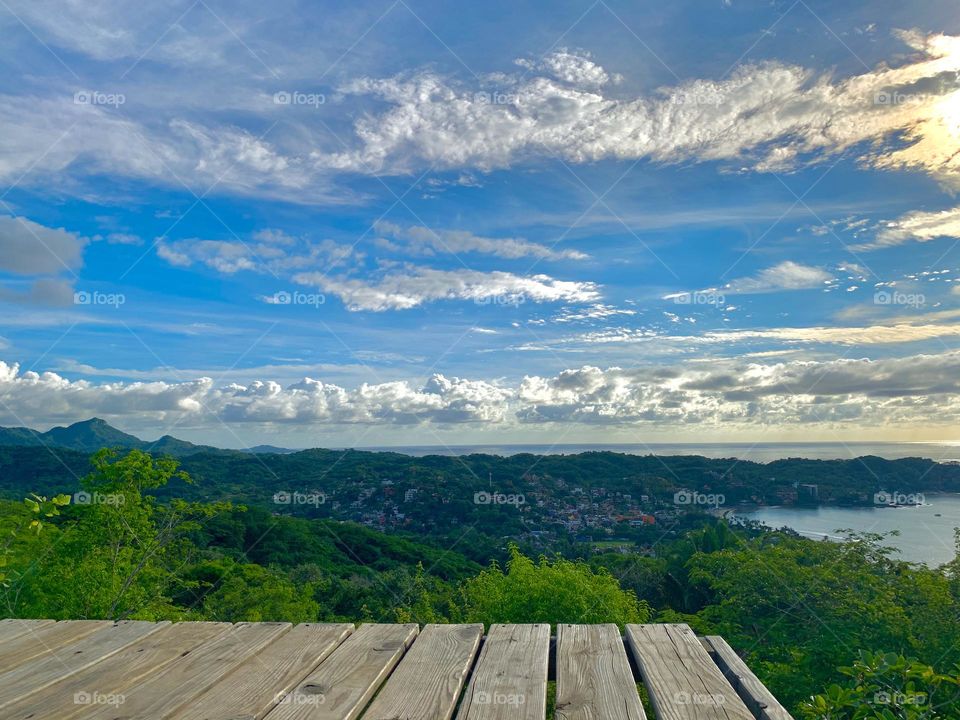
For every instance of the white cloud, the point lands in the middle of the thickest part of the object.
(918, 227)
(49, 397)
(784, 116)
(425, 241)
(787, 275)
(893, 392)
(417, 285)
(598, 311)
(269, 251)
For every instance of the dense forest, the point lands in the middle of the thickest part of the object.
(825, 625)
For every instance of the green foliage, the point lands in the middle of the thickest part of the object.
(797, 610)
(887, 687)
(116, 554)
(39, 508)
(549, 591)
(801, 608)
(248, 592)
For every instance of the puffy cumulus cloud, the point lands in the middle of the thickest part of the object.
(30, 397)
(576, 68)
(425, 241)
(737, 393)
(418, 285)
(784, 116)
(28, 248)
(916, 227)
(923, 388)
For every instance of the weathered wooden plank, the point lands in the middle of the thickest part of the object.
(594, 680)
(754, 693)
(510, 680)
(12, 628)
(428, 681)
(683, 682)
(254, 688)
(344, 683)
(70, 659)
(46, 639)
(180, 682)
(107, 680)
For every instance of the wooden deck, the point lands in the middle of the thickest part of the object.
(248, 671)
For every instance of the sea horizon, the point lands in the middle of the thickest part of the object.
(944, 451)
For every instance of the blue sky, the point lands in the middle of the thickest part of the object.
(390, 223)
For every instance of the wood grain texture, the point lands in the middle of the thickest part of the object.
(344, 683)
(44, 640)
(179, 683)
(115, 674)
(682, 680)
(594, 679)
(12, 628)
(427, 683)
(754, 693)
(255, 687)
(510, 679)
(43, 671)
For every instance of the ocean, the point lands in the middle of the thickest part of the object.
(926, 532)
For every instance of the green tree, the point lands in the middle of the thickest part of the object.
(549, 591)
(118, 553)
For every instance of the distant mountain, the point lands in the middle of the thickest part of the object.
(90, 435)
(267, 449)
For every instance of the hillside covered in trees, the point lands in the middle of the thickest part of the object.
(815, 620)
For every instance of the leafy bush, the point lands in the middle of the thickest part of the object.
(888, 687)
(549, 591)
